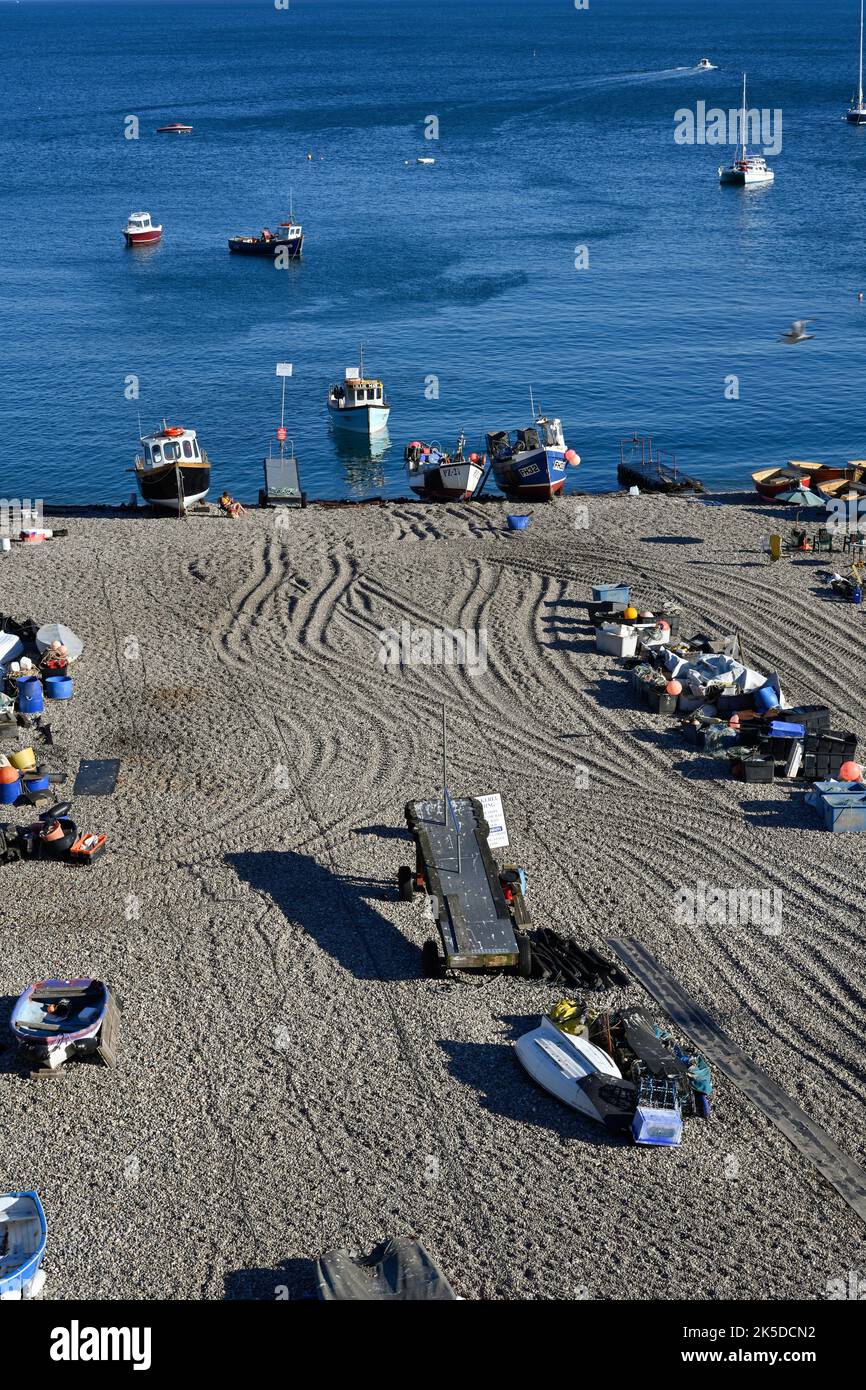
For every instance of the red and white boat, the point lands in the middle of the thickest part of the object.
(140, 231)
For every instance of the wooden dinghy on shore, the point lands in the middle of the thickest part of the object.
(769, 482)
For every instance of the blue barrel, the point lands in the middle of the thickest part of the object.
(36, 781)
(766, 699)
(857, 594)
(58, 687)
(30, 697)
(10, 792)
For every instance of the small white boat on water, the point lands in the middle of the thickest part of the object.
(560, 1061)
(856, 113)
(358, 402)
(421, 160)
(706, 66)
(745, 170)
(22, 1245)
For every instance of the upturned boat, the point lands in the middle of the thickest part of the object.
(172, 471)
(23, 1233)
(441, 477)
(531, 463)
(55, 1020)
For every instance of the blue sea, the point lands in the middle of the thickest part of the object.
(555, 132)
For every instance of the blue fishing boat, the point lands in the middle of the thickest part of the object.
(23, 1232)
(55, 1020)
(531, 463)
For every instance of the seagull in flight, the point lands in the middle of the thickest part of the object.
(797, 332)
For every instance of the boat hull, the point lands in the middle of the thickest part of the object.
(22, 1216)
(80, 1035)
(537, 474)
(254, 246)
(360, 419)
(560, 1061)
(447, 482)
(855, 117)
(143, 238)
(175, 486)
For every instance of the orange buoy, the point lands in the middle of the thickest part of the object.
(848, 772)
(674, 688)
(630, 614)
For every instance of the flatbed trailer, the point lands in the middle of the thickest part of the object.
(479, 909)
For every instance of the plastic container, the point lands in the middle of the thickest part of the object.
(30, 696)
(518, 523)
(766, 699)
(611, 593)
(36, 781)
(58, 687)
(618, 641)
(10, 786)
(24, 759)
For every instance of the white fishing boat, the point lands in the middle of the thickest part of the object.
(856, 113)
(746, 170)
(358, 402)
(442, 477)
(172, 470)
(560, 1061)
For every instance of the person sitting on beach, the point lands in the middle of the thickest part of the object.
(230, 506)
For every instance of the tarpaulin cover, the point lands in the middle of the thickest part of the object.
(399, 1268)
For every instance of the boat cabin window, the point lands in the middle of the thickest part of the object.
(170, 452)
(157, 453)
(187, 449)
(195, 448)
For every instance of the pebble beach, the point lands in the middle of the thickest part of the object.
(287, 1081)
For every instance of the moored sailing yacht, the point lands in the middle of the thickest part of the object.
(856, 113)
(172, 471)
(746, 170)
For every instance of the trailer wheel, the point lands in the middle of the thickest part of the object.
(525, 962)
(406, 883)
(431, 961)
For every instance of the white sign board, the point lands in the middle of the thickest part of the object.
(497, 837)
(353, 374)
(284, 369)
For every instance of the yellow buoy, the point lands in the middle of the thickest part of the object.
(630, 613)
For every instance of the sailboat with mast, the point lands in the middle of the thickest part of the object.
(745, 170)
(856, 113)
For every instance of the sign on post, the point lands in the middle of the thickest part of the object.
(284, 369)
(497, 837)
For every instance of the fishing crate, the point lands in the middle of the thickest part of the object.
(753, 769)
(611, 593)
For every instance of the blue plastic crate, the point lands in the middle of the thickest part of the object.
(610, 593)
(844, 813)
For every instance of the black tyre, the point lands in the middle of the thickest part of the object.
(406, 883)
(431, 962)
(525, 962)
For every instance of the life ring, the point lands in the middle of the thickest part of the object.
(173, 431)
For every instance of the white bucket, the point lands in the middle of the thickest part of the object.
(5, 544)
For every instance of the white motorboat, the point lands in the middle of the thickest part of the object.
(358, 403)
(561, 1061)
(442, 477)
(706, 66)
(172, 470)
(422, 160)
(745, 170)
(856, 113)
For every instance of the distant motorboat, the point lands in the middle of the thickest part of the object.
(140, 231)
(176, 128)
(23, 1234)
(358, 403)
(706, 66)
(856, 113)
(289, 238)
(421, 160)
(745, 170)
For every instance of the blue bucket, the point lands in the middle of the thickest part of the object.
(766, 699)
(518, 523)
(58, 687)
(10, 792)
(30, 697)
(36, 782)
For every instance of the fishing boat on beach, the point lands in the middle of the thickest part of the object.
(651, 471)
(440, 477)
(172, 471)
(531, 463)
(288, 239)
(56, 1020)
(23, 1232)
(140, 231)
(358, 402)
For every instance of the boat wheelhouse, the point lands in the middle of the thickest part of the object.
(745, 170)
(172, 471)
(358, 402)
(531, 463)
(140, 230)
(288, 238)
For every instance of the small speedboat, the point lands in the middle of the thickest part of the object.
(422, 160)
(398, 1270)
(706, 66)
(562, 1062)
(172, 471)
(23, 1234)
(140, 230)
(55, 1020)
(358, 403)
(442, 477)
(176, 128)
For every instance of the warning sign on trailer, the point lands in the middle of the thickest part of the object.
(497, 837)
